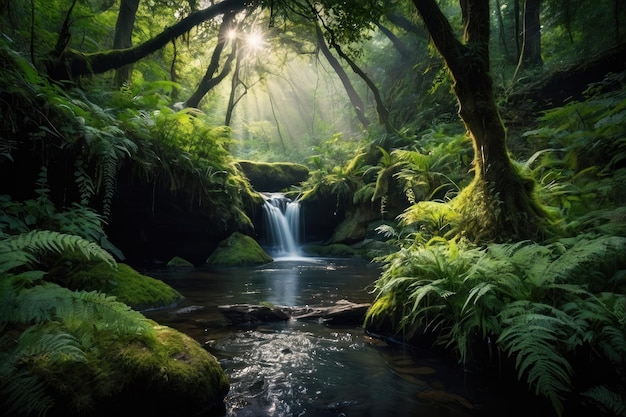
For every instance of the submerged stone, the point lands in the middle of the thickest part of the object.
(238, 249)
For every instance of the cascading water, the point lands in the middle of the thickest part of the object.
(283, 225)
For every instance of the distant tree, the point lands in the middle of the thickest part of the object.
(123, 37)
(353, 95)
(531, 34)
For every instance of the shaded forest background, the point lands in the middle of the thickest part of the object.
(125, 124)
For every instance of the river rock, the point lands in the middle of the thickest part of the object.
(342, 313)
(275, 176)
(238, 249)
(251, 313)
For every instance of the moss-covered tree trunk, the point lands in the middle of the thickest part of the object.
(499, 203)
(73, 64)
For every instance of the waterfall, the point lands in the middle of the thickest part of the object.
(283, 225)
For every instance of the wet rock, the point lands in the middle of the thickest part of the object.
(178, 262)
(186, 310)
(276, 176)
(238, 249)
(252, 313)
(342, 313)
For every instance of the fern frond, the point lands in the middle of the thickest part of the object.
(10, 260)
(51, 302)
(24, 394)
(531, 332)
(45, 339)
(608, 399)
(584, 255)
(38, 241)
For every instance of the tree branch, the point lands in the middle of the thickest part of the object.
(73, 64)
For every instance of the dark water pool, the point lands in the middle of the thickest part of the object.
(306, 368)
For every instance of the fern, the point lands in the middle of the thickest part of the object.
(608, 399)
(49, 301)
(22, 392)
(530, 332)
(12, 249)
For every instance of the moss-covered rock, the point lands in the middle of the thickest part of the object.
(370, 248)
(139, 291)
(354, 227)
(338, 250)
(238, 249)
(162, 373)
(177, 262)
(273, 176)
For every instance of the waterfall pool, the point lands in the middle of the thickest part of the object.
(306, 368)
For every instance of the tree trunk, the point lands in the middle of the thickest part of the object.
(407, 25)
(232, 101)
(395, 41)
(355, 99)
(499, 204)
(124, 36)
(381, 109)
(209, 81)
(532, 34)
(74, 64)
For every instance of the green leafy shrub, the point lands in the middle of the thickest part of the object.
(537, 303)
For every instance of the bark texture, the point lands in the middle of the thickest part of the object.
(124, 36)
(499, 203)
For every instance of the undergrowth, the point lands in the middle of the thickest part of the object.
(555, 308)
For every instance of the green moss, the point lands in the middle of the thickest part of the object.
(238, 249)
(129, 286)
(177, 261)
(140, 291)
(273, 176)
(332, 250)
(161, 373)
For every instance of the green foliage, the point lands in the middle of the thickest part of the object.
(50, 323)
(608, 399)
(538, 303)
(79, 220)
(579, 166)
(127, 285)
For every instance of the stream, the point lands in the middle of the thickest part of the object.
(307, 368)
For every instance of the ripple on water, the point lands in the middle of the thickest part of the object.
(306, 369)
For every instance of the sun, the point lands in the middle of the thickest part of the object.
(255, 40)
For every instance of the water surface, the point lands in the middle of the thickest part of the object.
(306, 368)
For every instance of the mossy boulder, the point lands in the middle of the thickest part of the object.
(238, 249)
(274, 176)
(354, 227)
(139, 291)
(161, 373)
(335, 250)
(178, 262)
